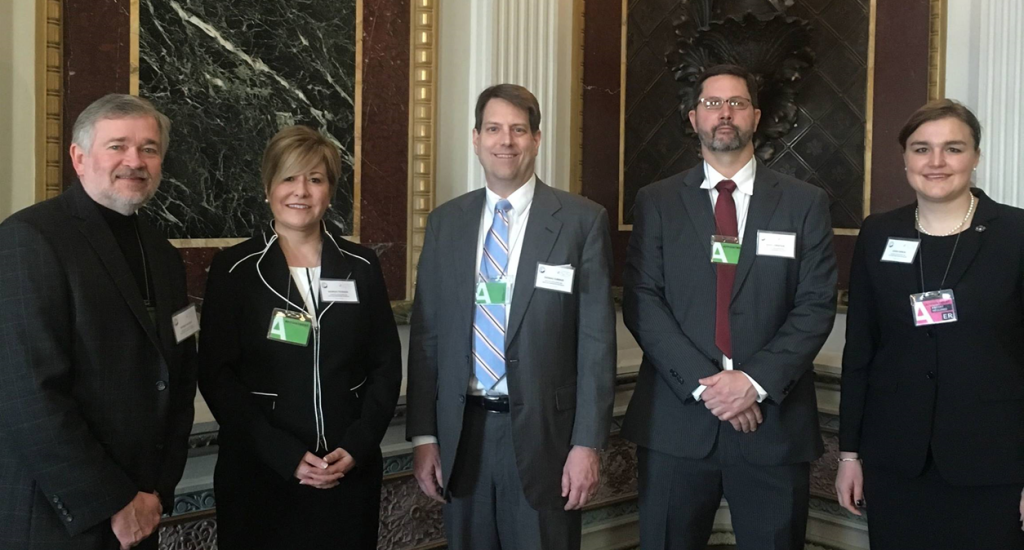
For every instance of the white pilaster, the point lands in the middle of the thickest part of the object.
(985, 71)
(486, 42)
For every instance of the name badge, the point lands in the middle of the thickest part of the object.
(901, 251)
(555, 277)
(185, 323)
(725, 250)
(290, 327)
(933, 308)
(492, 293)
(776, 243)
(335, 290)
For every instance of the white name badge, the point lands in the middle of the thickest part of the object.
(555, 277)
(335, 290)
(901, 251)
(776, 243)
(185, 323)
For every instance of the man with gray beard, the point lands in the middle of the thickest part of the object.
(97, 359)
(730, 291)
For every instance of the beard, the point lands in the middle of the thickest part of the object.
(128, 203)
(738, 140)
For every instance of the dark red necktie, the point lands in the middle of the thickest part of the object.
(725, 225)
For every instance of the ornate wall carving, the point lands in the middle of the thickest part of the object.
(813, 125)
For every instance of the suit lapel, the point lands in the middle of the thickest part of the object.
(334, 264)
(698, 207)
(762, 205)
(971, 239)
(97, 232)
(273, 267)
(542, 230)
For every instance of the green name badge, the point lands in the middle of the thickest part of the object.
(725, 250)
(290, 327)
(492, 293)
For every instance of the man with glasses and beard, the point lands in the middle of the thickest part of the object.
(730, 291)
(97, 358)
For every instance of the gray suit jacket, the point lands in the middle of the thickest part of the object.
(782, 311)
(95, 399)
(560, 348)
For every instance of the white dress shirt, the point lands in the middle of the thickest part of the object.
(744, 180)
(521, 201)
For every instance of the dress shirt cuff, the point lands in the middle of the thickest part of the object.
(423, 440)
(761, 394)
(697, 392)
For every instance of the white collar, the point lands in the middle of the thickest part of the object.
(520, 199)
(744, 178)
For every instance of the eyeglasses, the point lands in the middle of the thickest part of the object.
(715, 103)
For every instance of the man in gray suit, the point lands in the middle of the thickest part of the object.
(730, 291)
(512, 353)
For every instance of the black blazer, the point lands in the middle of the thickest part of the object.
(956, 387)
(782, 311)
(95, 401)
(261, 391)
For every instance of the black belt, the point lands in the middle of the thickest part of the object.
(489, 403)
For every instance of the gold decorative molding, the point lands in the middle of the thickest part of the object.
(422, 119)
(869, 112)
(576, 105)
(622, 116)
(357, 133)
(937, 49)
(133, 47)
(49, 105)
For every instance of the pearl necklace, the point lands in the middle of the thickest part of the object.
(970, 210)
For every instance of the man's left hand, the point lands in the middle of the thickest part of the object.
(728, 393)
(581, 476)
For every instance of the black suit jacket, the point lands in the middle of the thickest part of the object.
(782, 311)
(560, 348)
(261, 391)
(95, 401)
(957, 388)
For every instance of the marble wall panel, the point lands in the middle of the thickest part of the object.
(230, 75)
(97, 45)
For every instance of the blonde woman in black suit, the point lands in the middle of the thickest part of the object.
(300, 363)
(932, 413)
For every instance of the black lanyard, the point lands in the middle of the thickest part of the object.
(920, 260)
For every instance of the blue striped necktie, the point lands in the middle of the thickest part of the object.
(489, 320)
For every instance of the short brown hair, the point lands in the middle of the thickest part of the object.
(298, 148)
(518, 96)
(938, 110)
(731, 70)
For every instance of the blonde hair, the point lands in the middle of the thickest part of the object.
(298, 148)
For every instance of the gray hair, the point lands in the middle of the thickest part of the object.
(117, 106)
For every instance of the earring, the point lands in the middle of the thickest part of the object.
(266, 201)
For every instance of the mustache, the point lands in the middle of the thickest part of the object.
(132, 173)
(726, 125)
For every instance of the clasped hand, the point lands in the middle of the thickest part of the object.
(324, 473)
(138, 520)
(731, 397)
